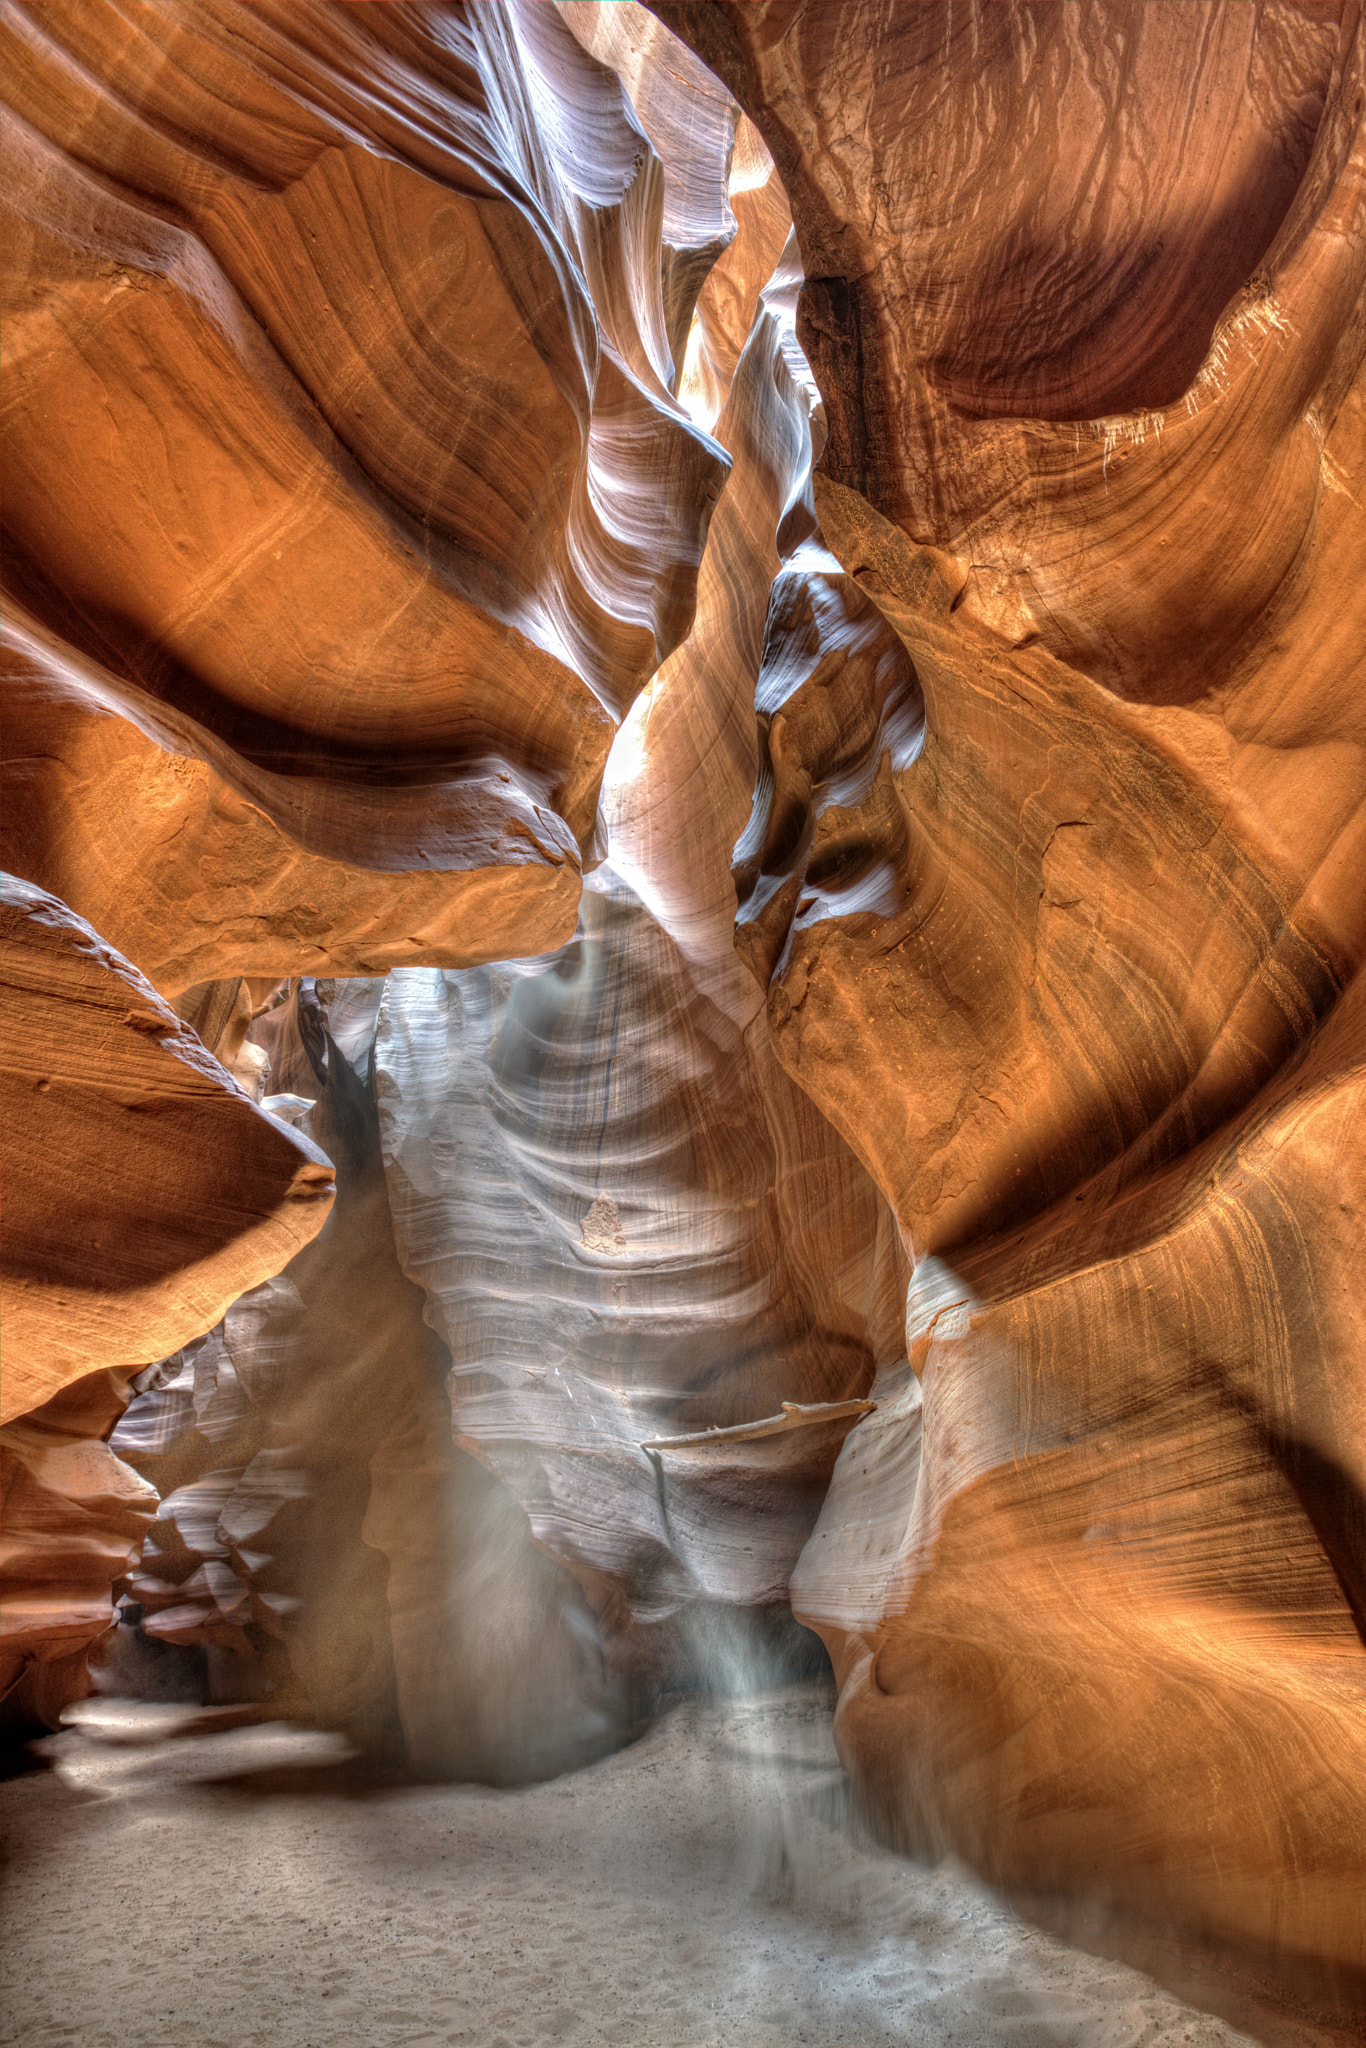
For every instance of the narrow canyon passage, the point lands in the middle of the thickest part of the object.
(683, 1022)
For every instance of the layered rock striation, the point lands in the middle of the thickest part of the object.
(349, 504)
(75, 1520)
(626, 1227)
(379, 381)
(374, 375)
(122, 1240)
(319, 1523)
(1054, 885)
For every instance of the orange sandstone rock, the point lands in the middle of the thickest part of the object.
(75, 1518)
(348, 506)
(344, 470)
(143, 1190)
(1055, 884)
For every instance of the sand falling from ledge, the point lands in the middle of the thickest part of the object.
(702, 1889)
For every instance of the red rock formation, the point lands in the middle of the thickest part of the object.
(143, 1190)
(1045, 300)
(696, 1243)
(377, 378)
(690, 119)
(1076, 968)
(595, 1177)
(725, 213)
(348, 506)
(75, 1518)
(319, 1520)
(192, 858)
(357, 488)
(629, 1226)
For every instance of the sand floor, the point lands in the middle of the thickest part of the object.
(702, 1889)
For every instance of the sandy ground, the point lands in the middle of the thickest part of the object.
(702, 1889)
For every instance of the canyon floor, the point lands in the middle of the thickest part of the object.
(704, 1888)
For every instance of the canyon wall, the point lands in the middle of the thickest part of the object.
(628, 1228)
(349, 504)
(924, 446)
(420, 404)
(1055, 886)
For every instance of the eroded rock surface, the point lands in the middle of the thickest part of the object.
(349, 504)
(625, 1225)
(144, 1191)
(630, 1224)
(319, 1521)
(593, 1179)
(75, 1520)
(1054, 884)
(399, 351)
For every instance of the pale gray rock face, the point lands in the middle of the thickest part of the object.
(590, 1175)
(403, 1482)
(628, 1222)
(320, 1529)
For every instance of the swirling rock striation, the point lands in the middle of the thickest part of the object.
(363, 368)
(144, 1191)
(1054, 884)
(349, 505)
(627, 1226)
(629, 1223)
(622, 1238)
(320, 1524)
(690, 119)
(75, 1520)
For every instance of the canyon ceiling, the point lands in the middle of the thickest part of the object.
(685, 824)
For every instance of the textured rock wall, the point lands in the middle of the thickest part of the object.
(630, 1225)
(627, 1225)
(75, 1517)
(349, 505)
(373, 376)
(144, 1190)
(1054, 885)
(318, 1520)
(119, 1245)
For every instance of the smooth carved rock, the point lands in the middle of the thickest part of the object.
(348, 502)
(629, 1223)
(75, 1518)
(992, 902)
(319, 1521)
(1056, 886)
(1053, 897)
(348, 506)
(683, 773)
(593, 1180)
(726, 216)
(192, 1435)
(624, 1218)
(690, 119)
(143, 1190)
(729, 302)
(1113, 1637)
(104, 784)
(1062, 263)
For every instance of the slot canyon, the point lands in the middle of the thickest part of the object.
(684, 1039)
